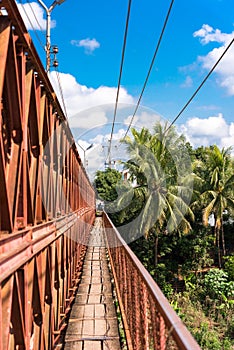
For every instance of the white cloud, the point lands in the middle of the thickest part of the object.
(208, 34)
(33, 16)
(100, 136)
(225, 69)
(89, 44)
(211, 126)
(88, 119)
(229, 139)
(100, 139)
(228, 83)
(86, 106)
(96, 156)
(142, 119)
(208, 131)
(187, 83)
(208, 108)
(90, 116)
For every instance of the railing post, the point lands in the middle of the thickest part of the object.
(135, 310)
(145, 315)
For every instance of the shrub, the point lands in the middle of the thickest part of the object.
(208, 339)
(216, 283)
(229, 266)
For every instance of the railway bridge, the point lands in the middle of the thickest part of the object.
(67, 278)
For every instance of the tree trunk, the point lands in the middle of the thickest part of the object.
(217, 233)
(156, 251)
(223, 240)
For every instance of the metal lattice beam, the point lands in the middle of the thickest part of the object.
(46, 201)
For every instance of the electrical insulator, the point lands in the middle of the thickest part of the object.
(55, 50)
(55, 63)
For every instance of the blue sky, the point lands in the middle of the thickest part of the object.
(89, 35)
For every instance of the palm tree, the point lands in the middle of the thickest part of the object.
(219, 195)
(165, 207)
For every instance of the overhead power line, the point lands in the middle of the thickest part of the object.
(61, 91)
(120, 76)
(28, 17)
(200, 86)
(151, 66)
(34, 15)
(56, 69)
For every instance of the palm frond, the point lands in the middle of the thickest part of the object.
(180, 205)
(172, 219)
(215, 177)
(230, 204)
(229, 184)
(152, 212)
(125, 197)
(209, 193)
(207, 211)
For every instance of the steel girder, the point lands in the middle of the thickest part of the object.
(47, 203)
(38, 288)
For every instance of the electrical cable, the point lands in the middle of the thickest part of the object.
(120, 76)
(37, 36)
(61, 90)
(151, 66)
(56, 69)
(34, 15)
(200, 86)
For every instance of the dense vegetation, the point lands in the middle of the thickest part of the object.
(176, 210)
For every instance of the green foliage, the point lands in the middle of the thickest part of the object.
(160, 165)
(209, 339)
(229, 266)
(178, 252)
(210, 334)
(105, 184)
(162, 275)
(178, 309)
(129, 204)
(193, 251)
(217, 285)
(215, 167)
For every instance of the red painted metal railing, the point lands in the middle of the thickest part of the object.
(39, 275)
(47, 203)
(150, 323)
(41, 175)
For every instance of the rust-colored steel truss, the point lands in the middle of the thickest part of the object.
(148, 318)
(47, 206)
(47, 203)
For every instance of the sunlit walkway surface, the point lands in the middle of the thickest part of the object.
(93, 321)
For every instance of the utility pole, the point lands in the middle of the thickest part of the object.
(48, 27)
(84, 150)
(109, 154)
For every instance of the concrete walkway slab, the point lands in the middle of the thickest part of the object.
(93, 321)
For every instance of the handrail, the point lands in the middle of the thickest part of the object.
(39, 277)
(150, 320)
(18, 249)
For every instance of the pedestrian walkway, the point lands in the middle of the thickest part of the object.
(93, 322)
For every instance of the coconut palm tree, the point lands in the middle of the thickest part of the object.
(165, 207)
(219, 196)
